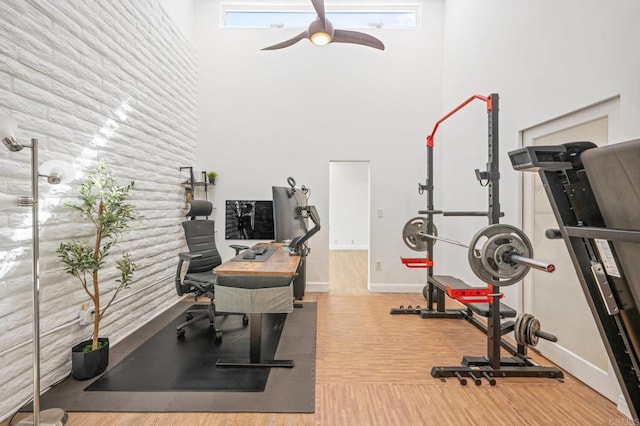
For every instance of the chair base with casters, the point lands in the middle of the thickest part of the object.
(209, 313)
(195, 268)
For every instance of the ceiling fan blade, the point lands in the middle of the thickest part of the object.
(345, 36)
(318, 5)
(289, 42)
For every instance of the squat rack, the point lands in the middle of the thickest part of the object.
(436, 294)
(492, 365)
(491, 176)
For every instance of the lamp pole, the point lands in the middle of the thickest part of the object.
(35, 250)
(53, 416)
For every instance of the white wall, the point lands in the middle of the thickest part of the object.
(266, 115)
(180, 13)
(349, 205)
(545, 59)
(90, 80)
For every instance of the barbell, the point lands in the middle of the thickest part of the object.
(498, 254)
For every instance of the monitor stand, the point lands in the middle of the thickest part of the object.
(300, 281)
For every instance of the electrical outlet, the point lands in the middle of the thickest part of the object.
(85, 316)
(378, 265)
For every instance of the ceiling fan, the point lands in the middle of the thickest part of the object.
(320, 32)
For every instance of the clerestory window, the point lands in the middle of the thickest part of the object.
(394, 19)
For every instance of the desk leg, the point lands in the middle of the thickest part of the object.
(255, 338)
(255, 349)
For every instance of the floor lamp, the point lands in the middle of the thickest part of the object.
(55, 172)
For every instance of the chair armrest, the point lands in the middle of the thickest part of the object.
(181, 272)
(238, 248)
(188, 256)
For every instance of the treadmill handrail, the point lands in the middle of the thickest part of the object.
(603, 233)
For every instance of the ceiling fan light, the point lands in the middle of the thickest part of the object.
(320, 38)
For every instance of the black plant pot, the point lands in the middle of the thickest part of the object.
(85, 365)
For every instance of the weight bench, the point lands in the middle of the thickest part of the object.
(489, 367)
(448, 283)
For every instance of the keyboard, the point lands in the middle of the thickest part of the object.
(260, 249)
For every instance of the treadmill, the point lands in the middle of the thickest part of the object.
(595, 196)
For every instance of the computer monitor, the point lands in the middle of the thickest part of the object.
(291, 215)
(289, 222)
(249, 220)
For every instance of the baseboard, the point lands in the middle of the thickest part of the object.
(323, 287)
(580, 368)
(317, 287)
(395, 288)
(623, 407)
(349, 247)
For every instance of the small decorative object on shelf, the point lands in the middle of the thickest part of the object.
(188, 183)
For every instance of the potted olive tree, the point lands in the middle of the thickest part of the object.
(103, 204)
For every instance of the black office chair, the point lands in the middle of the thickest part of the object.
(195, 269)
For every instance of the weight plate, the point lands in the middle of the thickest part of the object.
(487, 262)
(516, 329)
(411, 233)
(522, 333)
(532, 328)
(521, 328)
(493, 256)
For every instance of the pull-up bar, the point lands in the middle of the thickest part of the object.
(486, 99)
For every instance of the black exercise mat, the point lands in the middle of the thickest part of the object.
(287, 390)
(168, 363)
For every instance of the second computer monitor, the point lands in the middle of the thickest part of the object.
(289, 222)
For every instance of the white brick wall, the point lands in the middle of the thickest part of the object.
(111, 80)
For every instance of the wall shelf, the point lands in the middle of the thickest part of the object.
(190, 184)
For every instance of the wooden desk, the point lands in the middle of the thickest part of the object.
(280, 264)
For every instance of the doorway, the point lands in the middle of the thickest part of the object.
(557, 299)
(349, 227)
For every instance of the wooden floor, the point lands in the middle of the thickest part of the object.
(374, 369)
(348, 272)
